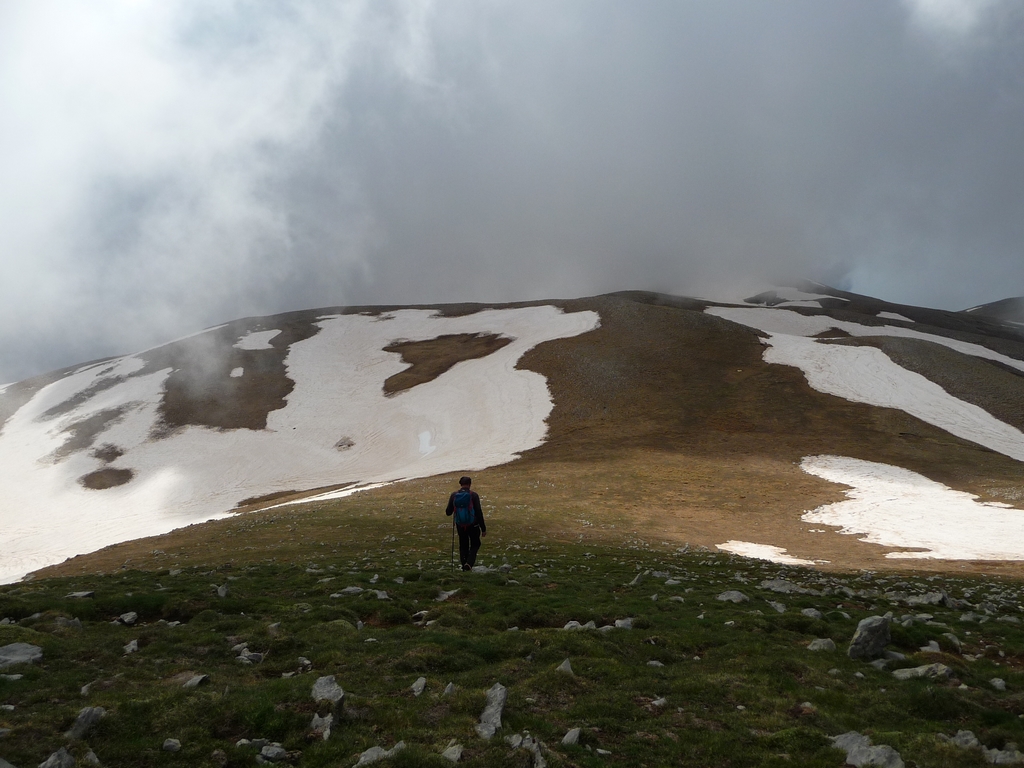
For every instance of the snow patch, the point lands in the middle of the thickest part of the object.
(868, 375)
(237, 372)
(480, 413)
(256, 340)
(894, 507)
(893, 316)
(764, 552)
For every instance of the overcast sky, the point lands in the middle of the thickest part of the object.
(165, 166)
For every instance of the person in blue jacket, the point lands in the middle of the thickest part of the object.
(464, 504)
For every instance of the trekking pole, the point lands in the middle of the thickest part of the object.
(453, 543)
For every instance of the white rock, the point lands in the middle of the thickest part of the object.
(326, 689)
(732, 596)
(490, 719)
(453, 752)
(132, 647)
(418, 687)
(998, 683)
(565, 666)
(19, 653)
(571, 737)
(375, 754)
(171, 745)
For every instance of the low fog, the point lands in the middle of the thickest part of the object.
(172, 165)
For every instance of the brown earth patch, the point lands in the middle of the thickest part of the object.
(108, 453)
(107, 477)
(430, 358)
(82, 434)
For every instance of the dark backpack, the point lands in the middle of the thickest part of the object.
(465, 515)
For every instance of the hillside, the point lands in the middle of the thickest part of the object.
(653, 418)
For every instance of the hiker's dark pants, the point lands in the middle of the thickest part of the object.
(469, 544)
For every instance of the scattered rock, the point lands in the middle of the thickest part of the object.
(442, 595)
(859, 751)
(448, 689)
(86, 719)
(453, 751)
(418, 686)
(932, 647)
(59, 759)
(195, 681)
(954, 640)
(779, 607)
(870, 638)
(79, 595)
(998, 683)
(812, 613)
(787, 587)
(64, 621)
(132, 647)
(821, 644)
(321, 726)
(963, 739)
(374, 754)
(19, 653)
(933, 671)
(624, 623)
(490, 720)
(273, 753)
(326, 689)
(128, 618)
(566, 667)
(219, 757)
(571, 737)
(171, 745)
(733, 596)
(381, 594)
(222, 590)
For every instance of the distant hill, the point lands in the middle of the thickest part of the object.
(1007, 310)
(802, 424)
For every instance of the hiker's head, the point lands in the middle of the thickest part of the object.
(465, 482)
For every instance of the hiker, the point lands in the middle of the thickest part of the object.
(464, 504)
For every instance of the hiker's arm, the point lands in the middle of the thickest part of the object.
(450, 509)
(479, 514)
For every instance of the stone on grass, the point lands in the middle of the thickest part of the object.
(321, 726)
(565, 666)
(870, 638)
(453, 751)
(59, 759)
(86, 719)
(418, 687)
(821, 644)
(963, 739)
(131, 647)
(195, 681)
(934, 671)
(812, 613)
(171, 745)
(1008, 756)
(79, 595)
(326, 689)
(655, 663)
(624, 623)
(442, 595)
(375, 754)
(733, 596)
(932, 647)
(571, 737)
(19, 653)
(998, 683)
(129, 618)
(490, 719)
(859, 751)
(222, 590)
(448, 689)
(64, 621)
(779, 607)
(953, 639)
(273, 753)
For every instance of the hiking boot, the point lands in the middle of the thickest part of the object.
(467, 567)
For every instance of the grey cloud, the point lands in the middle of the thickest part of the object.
(421, 152)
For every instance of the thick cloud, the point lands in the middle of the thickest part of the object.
(170, 165)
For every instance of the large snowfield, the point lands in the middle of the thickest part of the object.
(890, 505)
(337, 427)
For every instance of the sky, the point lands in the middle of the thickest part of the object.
(173, 164)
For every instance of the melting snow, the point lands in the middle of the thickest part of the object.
(895, 507)
(764, 552)
(480, 413)
(237, 372)
(868, 375)
(256, 340)
(893, 316)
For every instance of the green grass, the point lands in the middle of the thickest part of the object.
(738, 705)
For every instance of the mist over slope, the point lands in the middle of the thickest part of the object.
(716, 421)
